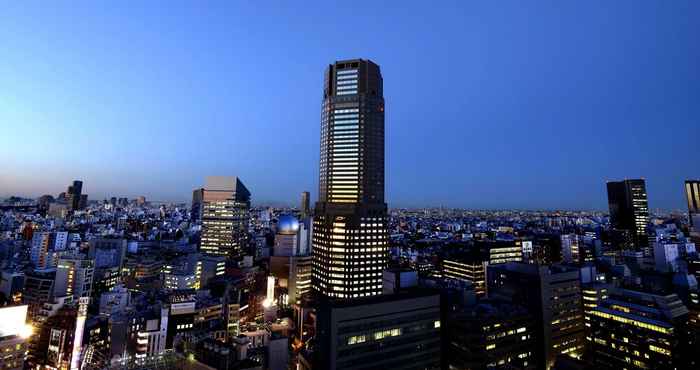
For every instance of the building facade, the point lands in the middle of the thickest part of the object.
(692, 195)
(223, 207)
(552, 294)
(631, 329)
(396, 331)
(350, 235)
(629, 209)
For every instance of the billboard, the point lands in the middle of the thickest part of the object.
(13, 320)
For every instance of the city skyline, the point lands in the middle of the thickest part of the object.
(528, 118)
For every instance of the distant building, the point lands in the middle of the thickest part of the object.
(140, 200)
(389, 331)
(629, 209)
(73, 195)
(305, 210)
(223, 207)
(692, 194)
(571, 248)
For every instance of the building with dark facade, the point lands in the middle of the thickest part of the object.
(552, 295)
(223, 207)
(632, 329)
(692, 195)
(395, 331)
(350, 235)
(493, 335)
(305, 209)
(74, 194)
(467, 267)
(629, 209)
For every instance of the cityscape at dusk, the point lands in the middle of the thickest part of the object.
(361, 185)
(505, 105)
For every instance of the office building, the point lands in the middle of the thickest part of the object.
(692, 195)
(108, 252)
(491, 335)
(501, 251)
(73, 195)
(223, 208)
(668, 255)
(183, 273)
(44, 248)
(629, 209)
(38, 289)
(467, 267)
(12, 285)
(211, 267)
(552, 294)
(74, 276)
(350, 235)
(299, 282)
(305, 210)
(571, 248)
(396, 331)
(632, 329)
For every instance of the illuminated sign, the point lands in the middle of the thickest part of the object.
(13, 321)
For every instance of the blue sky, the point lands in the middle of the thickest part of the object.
(489, 104)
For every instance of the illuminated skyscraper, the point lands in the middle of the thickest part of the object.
(629, 210)
(692, 194)
(350, 225)
(223, 207)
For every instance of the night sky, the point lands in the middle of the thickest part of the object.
(491, 104)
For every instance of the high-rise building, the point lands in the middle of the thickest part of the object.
(629, 209)
(223, 208)
(552, 294)
(350, 236)
(73, 195)
(491, 335)
(692, 194)
(394, 331)
(305, 201)
(638, 329)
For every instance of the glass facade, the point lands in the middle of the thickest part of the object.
(350, 237)
(224, 214)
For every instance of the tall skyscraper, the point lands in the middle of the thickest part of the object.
(305, 210)
(73, 195)
(223, 207)
(350, 246)
(692, 193)
(629, 210)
